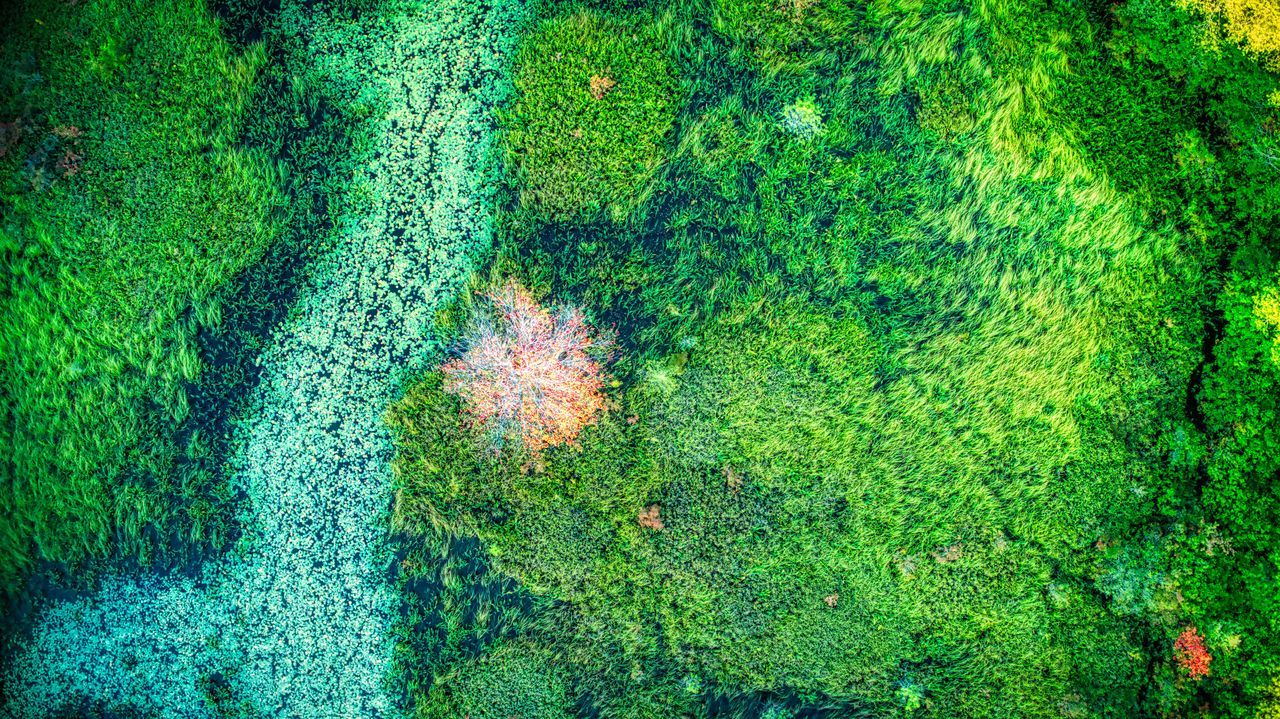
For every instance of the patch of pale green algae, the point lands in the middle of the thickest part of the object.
(298, 619)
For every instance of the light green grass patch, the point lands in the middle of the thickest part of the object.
(128, 202)
(587, 131)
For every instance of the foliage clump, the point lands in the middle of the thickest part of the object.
(595, 100)
(788, 36)
(945, 105)
(1192, 654)
(1266, 310)
(1254, 25)
(528, 375)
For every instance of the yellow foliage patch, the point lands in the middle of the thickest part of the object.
(1266, 312)
(1254, 25)
(1270, 707)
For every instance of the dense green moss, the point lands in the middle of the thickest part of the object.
(129, 201)
(588, 128)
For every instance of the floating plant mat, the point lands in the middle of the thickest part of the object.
(297, 621)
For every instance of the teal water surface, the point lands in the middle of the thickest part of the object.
(298, 620)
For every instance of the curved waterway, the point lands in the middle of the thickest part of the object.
(297, 621)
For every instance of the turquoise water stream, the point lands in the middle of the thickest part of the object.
(298, 618)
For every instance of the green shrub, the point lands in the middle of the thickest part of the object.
(1132, 578)
(595, 100)
(1266, 317)
(803, 118)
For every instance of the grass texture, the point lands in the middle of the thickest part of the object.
(128, 204)
(298, 620)
(587, 130)
(910, 323)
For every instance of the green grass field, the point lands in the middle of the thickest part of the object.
(947, 367)
(129, 202)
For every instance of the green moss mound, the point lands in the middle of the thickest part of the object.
(595, 100)
(515, 681)
(128, 201)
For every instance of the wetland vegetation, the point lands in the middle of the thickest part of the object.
(760, 359)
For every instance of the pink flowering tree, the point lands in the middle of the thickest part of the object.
(529, 375)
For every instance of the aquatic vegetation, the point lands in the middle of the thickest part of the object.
(302, 609)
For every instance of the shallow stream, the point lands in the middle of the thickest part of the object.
(297, 621)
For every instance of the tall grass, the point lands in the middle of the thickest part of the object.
(909, 390)
(128, 202)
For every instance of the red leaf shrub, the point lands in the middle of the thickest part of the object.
(1192, 654)
(528, 375)
(651, 518)
(70, 163)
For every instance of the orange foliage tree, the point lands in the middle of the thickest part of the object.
(1192, 654)
(527, 374)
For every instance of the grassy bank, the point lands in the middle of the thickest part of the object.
(130, 202)
(387, 148)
